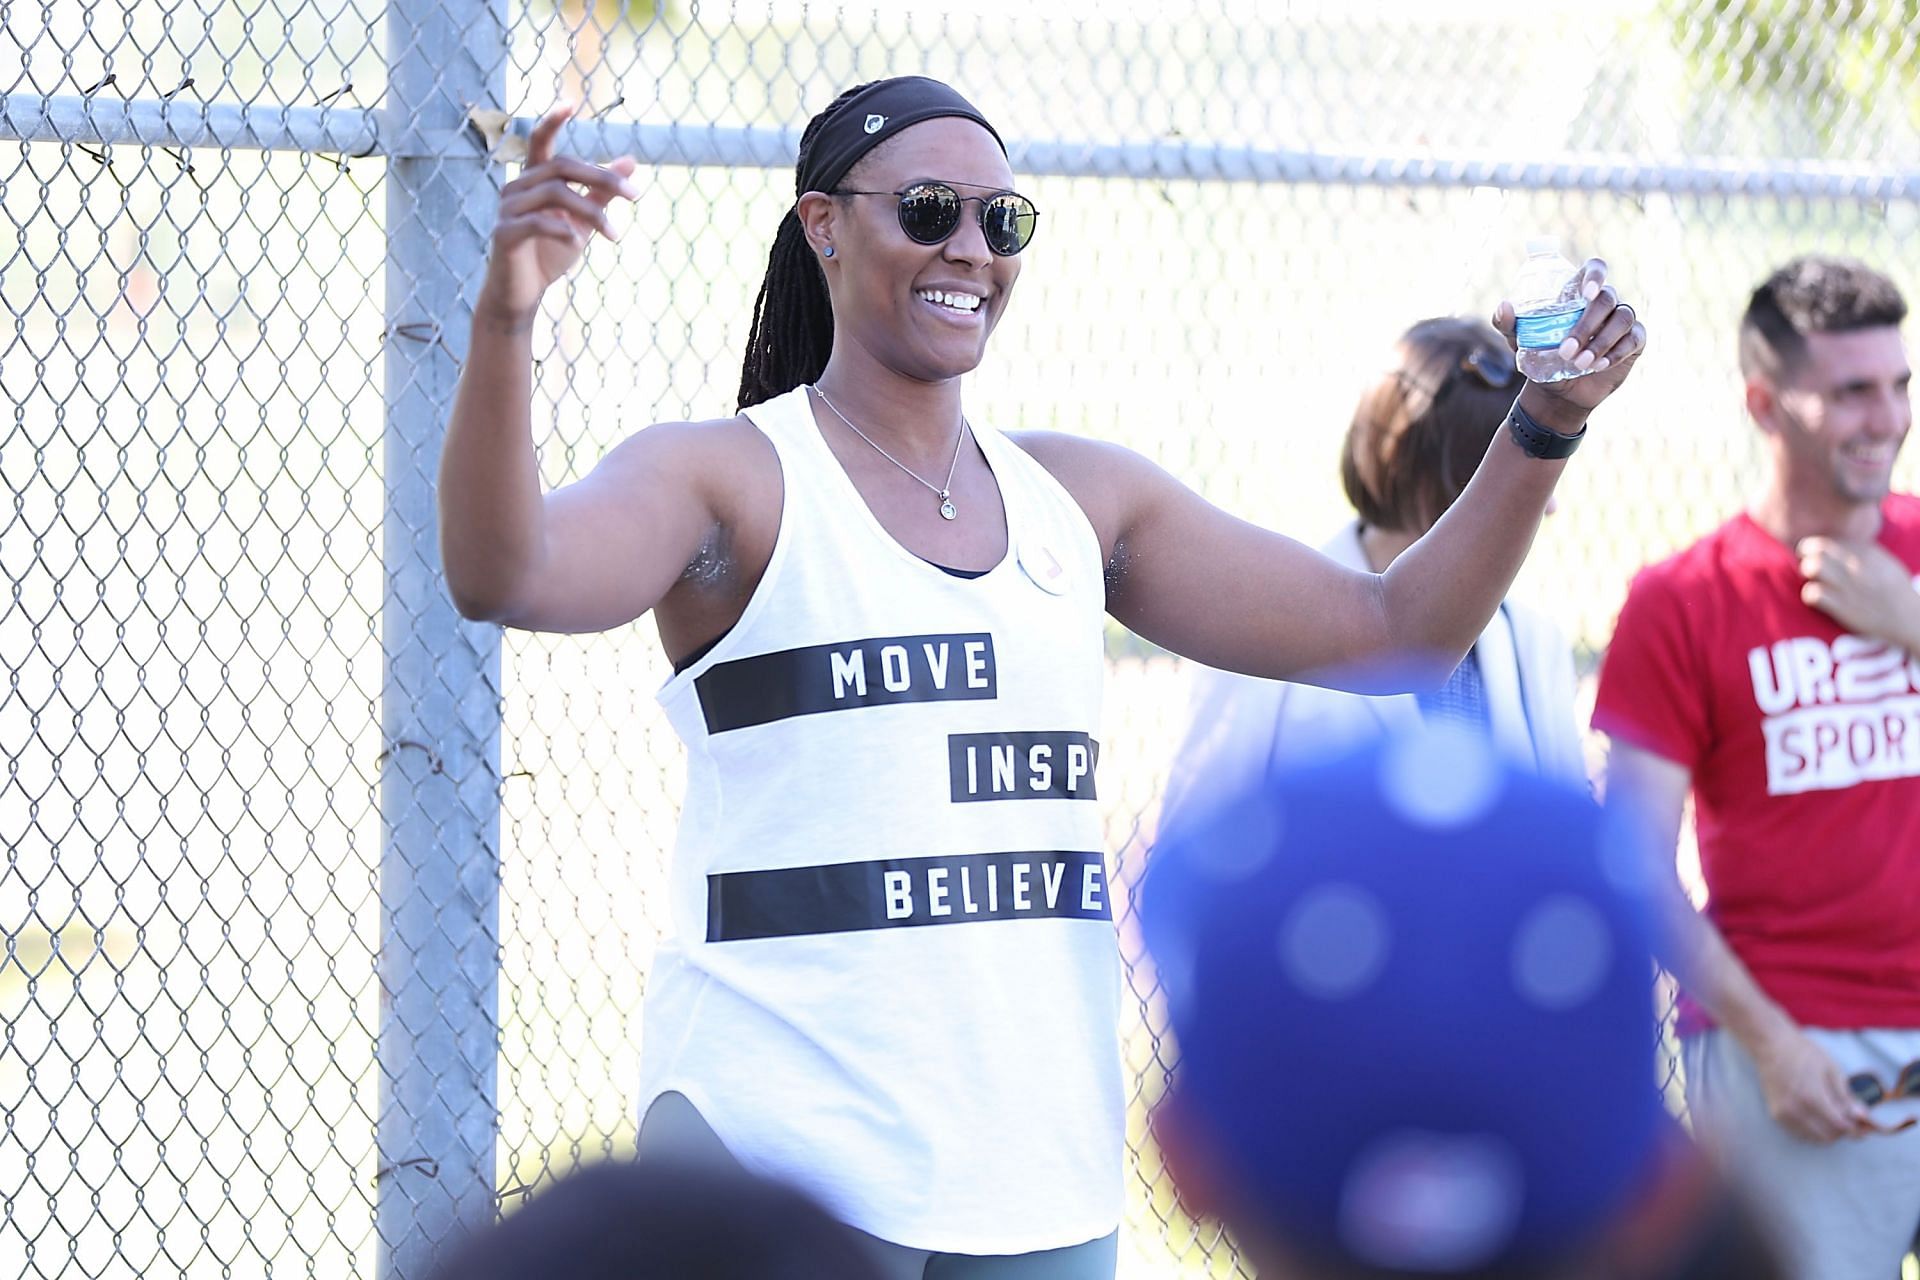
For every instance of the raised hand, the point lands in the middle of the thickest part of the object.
(1608, 339)
(546, 217)
(1863, 587)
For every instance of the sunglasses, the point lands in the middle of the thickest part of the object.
(1871, 1091)
(1494, 370)
(930, 211)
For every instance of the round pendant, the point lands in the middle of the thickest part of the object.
(947, 511)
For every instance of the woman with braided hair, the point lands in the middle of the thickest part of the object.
(894, 979)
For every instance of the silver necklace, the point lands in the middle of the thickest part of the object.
(945, 492)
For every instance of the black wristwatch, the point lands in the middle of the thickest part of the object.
(1539, 441)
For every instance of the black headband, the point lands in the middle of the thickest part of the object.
(873, 115)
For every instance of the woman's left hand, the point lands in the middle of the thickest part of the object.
(1608, 339)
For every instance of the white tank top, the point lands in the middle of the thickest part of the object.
(895, 981)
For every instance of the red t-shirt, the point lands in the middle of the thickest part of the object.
(1804, 746)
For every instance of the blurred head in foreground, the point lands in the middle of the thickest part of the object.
(1413, 994)
(661, 1221)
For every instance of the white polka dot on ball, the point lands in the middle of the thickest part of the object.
(1422, 1201)
(1335, 941)
(1441, 777)
(1561, 953)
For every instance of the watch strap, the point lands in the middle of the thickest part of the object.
(1539, 441)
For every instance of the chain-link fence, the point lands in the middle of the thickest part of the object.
(328, 915)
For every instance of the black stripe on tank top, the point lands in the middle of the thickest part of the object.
(902, 893)
(1044, 765)
(873, 672)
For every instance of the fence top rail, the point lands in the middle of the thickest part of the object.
(101, 120)
(348, 130)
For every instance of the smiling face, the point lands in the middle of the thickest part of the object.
(1839, 416)
(922, 310)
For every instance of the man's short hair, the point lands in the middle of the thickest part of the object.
(1421, 429)
(1812, 294)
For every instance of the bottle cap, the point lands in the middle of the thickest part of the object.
(1542, 245)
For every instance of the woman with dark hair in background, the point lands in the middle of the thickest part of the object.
(894, 979)
(1417, 435)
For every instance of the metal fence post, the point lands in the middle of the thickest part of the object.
(440, 710)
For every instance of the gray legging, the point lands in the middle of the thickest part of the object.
(674, 1130)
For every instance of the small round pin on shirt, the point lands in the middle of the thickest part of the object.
(1039, 563)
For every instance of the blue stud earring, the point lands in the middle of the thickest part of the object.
(828, 251)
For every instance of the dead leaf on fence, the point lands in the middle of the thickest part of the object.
(505, 147)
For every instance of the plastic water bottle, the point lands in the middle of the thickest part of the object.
(1546, 306)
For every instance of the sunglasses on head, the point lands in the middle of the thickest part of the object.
(930, 211)
(1494, 370)
(1871, 1091)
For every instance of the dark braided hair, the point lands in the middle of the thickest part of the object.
(792, 333)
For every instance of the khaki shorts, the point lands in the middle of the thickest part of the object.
(1846, 1211)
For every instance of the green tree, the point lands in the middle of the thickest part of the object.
(1830, 63)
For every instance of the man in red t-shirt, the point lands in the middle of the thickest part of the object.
(1773, 670)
